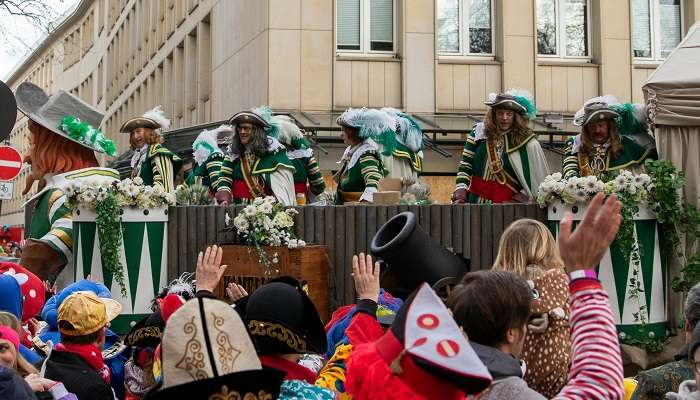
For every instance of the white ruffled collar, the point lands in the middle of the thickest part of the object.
(352, 154)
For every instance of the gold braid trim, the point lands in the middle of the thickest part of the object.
(279, 332)
(495, 161)
(144, 333)
(226, 394)
(255, 189)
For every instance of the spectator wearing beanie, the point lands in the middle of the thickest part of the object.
(77, 361)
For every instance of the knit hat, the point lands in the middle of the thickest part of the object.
(9, 334)
(153, 119)
(518, 100)
(371, 124)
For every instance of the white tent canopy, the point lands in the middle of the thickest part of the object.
(672, 92)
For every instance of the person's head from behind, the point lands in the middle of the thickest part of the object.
(691, 311)
(525, 245)
(493, 308)
(83, 316)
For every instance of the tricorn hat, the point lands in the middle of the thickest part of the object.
(153, 119)
(206, 353)
(518, 100)
(65, 115)
(8, 105)
(595, 112)
(281, 319)
(249, 117)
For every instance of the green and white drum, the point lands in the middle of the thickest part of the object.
(143, 254)
(639, 306)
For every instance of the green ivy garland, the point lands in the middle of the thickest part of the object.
(108, 221)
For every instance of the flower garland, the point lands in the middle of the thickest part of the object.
(265, 222)
(83, 133)
(108, 199)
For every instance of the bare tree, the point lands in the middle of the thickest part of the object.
(40, 14)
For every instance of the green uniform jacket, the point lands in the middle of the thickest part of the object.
(415, 159)
(633, 155)
(306, 169)
(206, 173)
(474, 161)
(164, 167)
(360, 172)
(231, 176)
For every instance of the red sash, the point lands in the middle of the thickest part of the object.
(242, 191)
(490, 190)
(300, 187)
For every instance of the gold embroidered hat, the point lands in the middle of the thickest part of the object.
(281, 319)
(207, 354)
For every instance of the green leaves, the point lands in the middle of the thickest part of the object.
(109, 229)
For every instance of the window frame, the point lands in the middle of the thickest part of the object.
(365, 32)
(561, 36)
(463, 20)
(654, 29)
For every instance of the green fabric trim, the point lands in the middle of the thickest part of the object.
(402, 151)
(509, 149)
(632, 154)
(271, 162)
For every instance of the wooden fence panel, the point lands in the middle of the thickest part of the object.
(470, 230)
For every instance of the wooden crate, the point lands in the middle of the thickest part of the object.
(309, 265)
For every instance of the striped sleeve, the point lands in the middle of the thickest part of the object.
(224, 180)
(316, 183)
(570, 166)
(596, 365)
(464, 173)
(371, 170)
(163, 172)
(213, 168)
(60, 236)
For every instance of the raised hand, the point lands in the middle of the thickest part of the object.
(209, 268)
(366, 278)
(235, 291)
(584, 247)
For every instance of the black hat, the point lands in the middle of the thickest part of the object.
(412, 255)
(281, 319)
(146, 333)
(248, 117)
(8, 105)
(254, 384)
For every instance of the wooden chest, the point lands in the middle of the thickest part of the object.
(308, 264)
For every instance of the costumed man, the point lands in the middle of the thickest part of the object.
(256, 166)
(208, 152)
(406, 161)
(361, 166)
(502, 161)
(151, 161)
(308, 180)
(613, 137)
(62, 145)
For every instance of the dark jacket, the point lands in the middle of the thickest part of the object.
(656, 382)
(507, 375)
(13, 387)
(77, 376)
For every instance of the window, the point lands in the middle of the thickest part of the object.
(656, 28)
(562, 28)
(464, 27)
(366, 26)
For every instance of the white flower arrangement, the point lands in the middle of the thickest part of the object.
(580, 190)
(128, 194)
(266, 222)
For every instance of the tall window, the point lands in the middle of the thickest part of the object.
(366, 26)
(656, 28)
(465, 27)
(562, 28)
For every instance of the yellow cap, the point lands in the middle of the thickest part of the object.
(630, 386)
(87, 313)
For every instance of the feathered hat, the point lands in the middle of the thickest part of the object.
(372, 124)
(518, 100)
(629, 118)
(154, 119)
(408, 132)
(208, 142)
(282, 128)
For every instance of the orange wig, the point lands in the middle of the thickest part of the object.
(50, 153)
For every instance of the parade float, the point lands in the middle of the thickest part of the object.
(634, 270)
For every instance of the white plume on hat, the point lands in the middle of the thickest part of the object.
(158, 115)
(288, 130)
(515, 92)
(409, 135)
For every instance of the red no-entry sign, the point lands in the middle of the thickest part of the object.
(10, 163)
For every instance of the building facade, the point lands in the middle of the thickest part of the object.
(204, 60)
